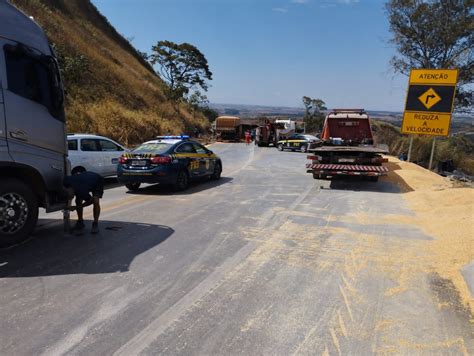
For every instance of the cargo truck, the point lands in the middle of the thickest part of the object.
(33, 151)
(227, 128)
(347, 147)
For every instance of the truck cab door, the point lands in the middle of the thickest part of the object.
(3, 136)
(34, 116)
(4, 156)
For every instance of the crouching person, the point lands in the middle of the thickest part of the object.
(88, 188)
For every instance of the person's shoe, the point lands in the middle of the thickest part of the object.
(95, 228)
(79, 227)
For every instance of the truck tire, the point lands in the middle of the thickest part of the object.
(18, 212)
(374, 178)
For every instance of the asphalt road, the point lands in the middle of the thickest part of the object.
(265, 261)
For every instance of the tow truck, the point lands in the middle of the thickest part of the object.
(347, 147)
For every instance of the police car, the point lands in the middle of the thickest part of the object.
(170, 160)
(298, 142)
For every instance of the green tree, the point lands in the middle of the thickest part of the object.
(435, 34)
(314, 115)
(182, 66)
(200, 103)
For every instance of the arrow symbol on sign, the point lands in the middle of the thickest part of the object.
(428, 97)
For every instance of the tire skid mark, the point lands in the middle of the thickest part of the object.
(342, 325)
(346, 303)
(141, 341)
(335, 341)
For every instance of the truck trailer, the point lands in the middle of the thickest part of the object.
(33, 151)
(347, 147)
(227, 128)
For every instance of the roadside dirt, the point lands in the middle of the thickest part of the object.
(445, 212)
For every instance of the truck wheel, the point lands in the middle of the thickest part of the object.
(133, 186)
(280, 147)
(374, 178)
(182, 181)
(18, 212)
(304, 148)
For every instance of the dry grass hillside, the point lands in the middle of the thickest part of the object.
(111, 90)
(457, 148)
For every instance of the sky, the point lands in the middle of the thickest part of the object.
(274, 52)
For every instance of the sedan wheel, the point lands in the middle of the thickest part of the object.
(132, 186)
(182, 181)
(217, 172)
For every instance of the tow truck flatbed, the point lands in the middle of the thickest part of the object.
(383, 149)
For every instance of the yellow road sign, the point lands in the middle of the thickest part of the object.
(434, 76)
(430, 101)
(429, 98)
(432, 124)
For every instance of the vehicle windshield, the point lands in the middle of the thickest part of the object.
(311, 137)
(158, 147)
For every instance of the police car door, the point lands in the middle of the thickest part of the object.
(187, 154)
(301, 141)
(206, 161)
(290, 142)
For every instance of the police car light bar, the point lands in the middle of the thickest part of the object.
(181, 137)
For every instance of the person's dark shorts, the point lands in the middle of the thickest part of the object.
(98, 190)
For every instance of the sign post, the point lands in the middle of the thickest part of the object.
(432, 153)
(429, 104)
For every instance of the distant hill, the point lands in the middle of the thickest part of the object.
(111, 89)
(252, 111)
(460, 122)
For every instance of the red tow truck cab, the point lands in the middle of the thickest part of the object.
(347, 147)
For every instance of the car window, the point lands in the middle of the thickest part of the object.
(109, 146)
(90, 145)
(72, 145)
(158, 147)
(199, 149)
(186, 148)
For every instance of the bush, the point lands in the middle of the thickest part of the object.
(457, 148)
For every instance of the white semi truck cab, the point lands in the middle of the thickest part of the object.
(33, 150)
